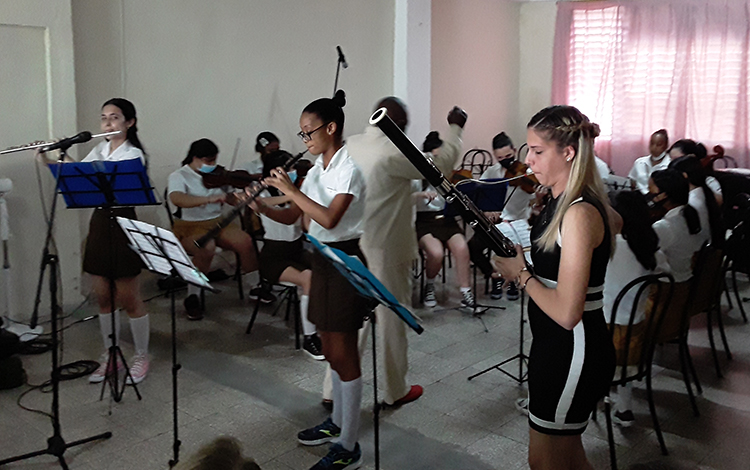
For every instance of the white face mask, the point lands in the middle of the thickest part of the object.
(207, 168)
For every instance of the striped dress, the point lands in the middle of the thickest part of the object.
(569, 370)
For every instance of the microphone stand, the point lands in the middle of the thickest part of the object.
(338, 68)
(56, 445)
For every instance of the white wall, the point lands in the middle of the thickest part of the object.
(228, 69)
(37, 99)
(475, 59)
(537, 35)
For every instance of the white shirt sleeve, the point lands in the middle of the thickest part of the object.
(176, 183)
(713, 185)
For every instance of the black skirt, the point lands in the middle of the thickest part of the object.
(278, 255)
(108, 253)
(436, 224)
(335, 305)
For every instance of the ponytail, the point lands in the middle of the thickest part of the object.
(692, 219)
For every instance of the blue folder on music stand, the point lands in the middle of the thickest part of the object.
(104, 183)
(366, 284)
(488, 195)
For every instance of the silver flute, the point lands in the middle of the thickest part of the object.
(21, 148)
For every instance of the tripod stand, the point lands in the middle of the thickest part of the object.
(56, 445)
(162, 253)
(521, 356)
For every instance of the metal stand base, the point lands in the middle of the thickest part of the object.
(521, 357)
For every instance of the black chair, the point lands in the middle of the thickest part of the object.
(635, 344)
(476, 161)
(737, 247)
(288, 295)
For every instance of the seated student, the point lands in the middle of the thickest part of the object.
(265, 143)
(657, 159)
(200, 211)
(636, 246)
(434, 232)
(283, 258)
(518, 202)
(680, 238)
(702, 198)
(685, 147)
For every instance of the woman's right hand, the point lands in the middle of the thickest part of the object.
(221, 198)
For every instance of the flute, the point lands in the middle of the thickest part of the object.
(83, 137)
(469, 212)
(226, 220)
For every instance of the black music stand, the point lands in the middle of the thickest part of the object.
(489, 196)
(163, 254)
(56, 445)
(372, 289)
(108, 185)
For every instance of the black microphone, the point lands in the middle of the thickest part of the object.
(341, 57)
(66, 143)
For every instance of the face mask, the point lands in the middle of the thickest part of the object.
(507, 162)
(293, 175)
(654, 204)
(207, 168)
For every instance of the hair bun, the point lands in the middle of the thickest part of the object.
(339, 98)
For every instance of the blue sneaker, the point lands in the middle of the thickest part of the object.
(339, 458)
(320, 434)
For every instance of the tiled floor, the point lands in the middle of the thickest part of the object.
(260, 390)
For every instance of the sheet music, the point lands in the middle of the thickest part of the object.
(147, 240)
(518, 231)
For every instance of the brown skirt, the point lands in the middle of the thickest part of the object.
(278, 255)
(335, 305)
(108, 253)
(437, 225)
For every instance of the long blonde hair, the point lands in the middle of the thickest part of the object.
(567, 126)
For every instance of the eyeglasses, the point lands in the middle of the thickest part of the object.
(307, 136)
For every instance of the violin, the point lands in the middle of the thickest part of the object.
(221, 177)
(515, 168)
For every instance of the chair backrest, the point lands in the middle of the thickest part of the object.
(737, 246)
(168, 208)
(477, 161)
(635, 343)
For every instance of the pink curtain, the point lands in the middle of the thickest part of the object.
(641, 65)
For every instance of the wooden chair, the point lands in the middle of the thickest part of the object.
(238, 267)
(635, 344)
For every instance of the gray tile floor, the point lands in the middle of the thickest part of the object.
(260, 390)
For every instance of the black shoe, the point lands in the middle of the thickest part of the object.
(320, 434)
(263, 294)
(193, 307)
(512, 291)
(339, 458)
(313, 347)
(497, 288)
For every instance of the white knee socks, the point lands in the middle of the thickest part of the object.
(105, 326)
(351, 398)
(194, 290)
(140, 329)
(624, 398)
(308, 328)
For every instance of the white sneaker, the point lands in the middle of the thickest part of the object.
(429, 296)
(138, 370)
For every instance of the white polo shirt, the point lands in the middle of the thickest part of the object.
(642, 169)
(623, 268)
(677, 244)
(126, 151)
(276, 230)
(188, 181)
(341, 176)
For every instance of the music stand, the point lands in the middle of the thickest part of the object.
(108, 185)
(369, 287)
(489, 196)
(163, 254)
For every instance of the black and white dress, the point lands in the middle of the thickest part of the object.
(569, 370)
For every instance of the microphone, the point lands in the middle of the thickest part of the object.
(341, 57)
(66, 143)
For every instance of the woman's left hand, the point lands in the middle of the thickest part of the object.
(280, 180)
(510, 268)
